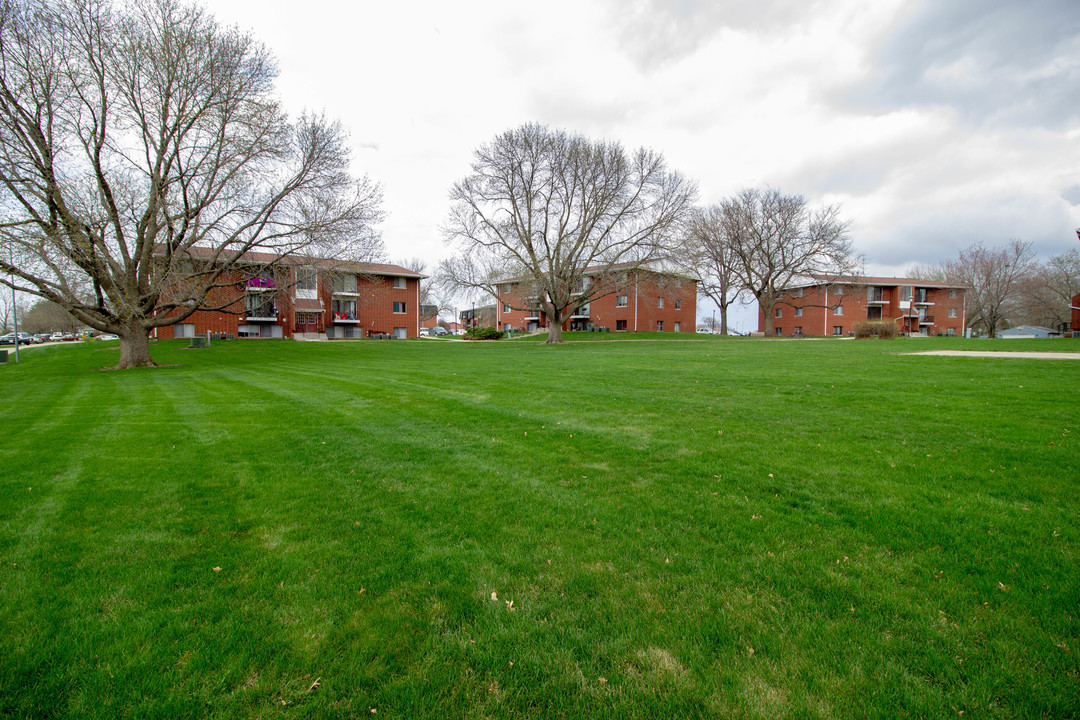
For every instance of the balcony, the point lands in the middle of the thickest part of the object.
(345, 318)
(921, 298)
(876, 296)
(926, 320)
(260, 284)
(266, 313)
(581, 313)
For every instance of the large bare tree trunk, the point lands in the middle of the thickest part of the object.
(723, 319)
(554, 329)
(135, 348)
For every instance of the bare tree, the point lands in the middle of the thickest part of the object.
(1045, 294)
(47, 316)
(542, 206)
(711, 256)
(777, 241)
(143, 155)
(994, 277)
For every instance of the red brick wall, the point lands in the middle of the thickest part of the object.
(1075, 323)
(640, 313)
(374, 307)
(818, 320)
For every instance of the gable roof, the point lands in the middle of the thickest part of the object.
(363, 268)
(875, 280)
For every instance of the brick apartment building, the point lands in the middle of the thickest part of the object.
(301, 298)
(919, 307)
(1074, 308)
(637, 300)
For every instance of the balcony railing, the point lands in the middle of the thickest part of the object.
(345, 318)
(260, 284)
(926, 320)
(266, 313)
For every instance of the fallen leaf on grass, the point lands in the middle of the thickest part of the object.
(1002, 586)
(316, 683)
(217, 569)
(494, 596)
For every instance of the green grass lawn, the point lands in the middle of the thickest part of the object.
(718, 528)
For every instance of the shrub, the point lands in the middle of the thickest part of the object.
(484, 333)
(875, 328)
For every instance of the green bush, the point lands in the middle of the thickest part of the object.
(875, 328)
(484, 333)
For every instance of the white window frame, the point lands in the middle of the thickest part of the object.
(622, 300)
(401, 283)
(404, 307)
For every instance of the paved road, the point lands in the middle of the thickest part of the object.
(1003, 354)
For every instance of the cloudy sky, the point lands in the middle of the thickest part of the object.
(932, 123)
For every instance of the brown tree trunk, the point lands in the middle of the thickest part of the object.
(723, 319)
(554, 330)
(135, 348)
(767, 313)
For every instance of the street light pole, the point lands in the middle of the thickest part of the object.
(14, 307)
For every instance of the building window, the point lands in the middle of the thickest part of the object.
(506, 308)
(307, 281)
(620, 300)
(778, 332)
(678, 306)
(678, 327)
(837, 329)
(779, 313)
(184, 330)
(659, 326)
(838, 310)
(399, 307)
(620, 324)
(905, 293)
(400, 333)
(400, 283)
(952, 312)
(797, 293)
(951, 332)
(952, 293)
(660, 303)
(798, 312)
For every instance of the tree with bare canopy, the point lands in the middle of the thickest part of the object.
(995, 277)
(143, 155)
(709, 256)
(777, 241)
(561, 215)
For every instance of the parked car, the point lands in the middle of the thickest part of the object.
(107, 336)
(56, 336)
(24, 339)
(425, 332)
(704, 331)
(69, 337)
(42, 338)
(439, 331)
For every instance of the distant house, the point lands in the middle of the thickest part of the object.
(483, 316)
(1028, 331)
(304, 298)
(633, 298)
(919, 307)
(429, 316)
